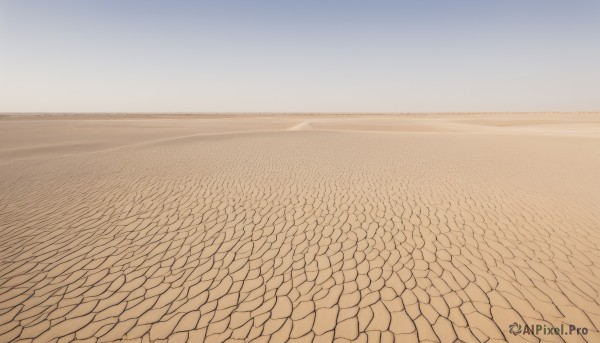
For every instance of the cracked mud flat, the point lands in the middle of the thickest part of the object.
(299, 228)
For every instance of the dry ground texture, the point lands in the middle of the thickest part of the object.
(299, 227)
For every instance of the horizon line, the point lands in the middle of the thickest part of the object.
(286, 112)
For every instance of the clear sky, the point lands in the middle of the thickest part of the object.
(301, 56)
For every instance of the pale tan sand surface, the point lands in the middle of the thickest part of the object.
(299, 227)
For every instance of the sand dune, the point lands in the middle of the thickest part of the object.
(301, 228)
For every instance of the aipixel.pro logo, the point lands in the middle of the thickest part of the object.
(542, 329)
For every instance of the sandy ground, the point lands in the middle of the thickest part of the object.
(299, 227)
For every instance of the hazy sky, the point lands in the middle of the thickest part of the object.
(304, 55)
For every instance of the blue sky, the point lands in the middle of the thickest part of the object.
(302, 56)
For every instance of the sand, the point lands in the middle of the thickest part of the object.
(405, 228)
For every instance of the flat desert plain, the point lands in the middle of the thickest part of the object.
(309, 228)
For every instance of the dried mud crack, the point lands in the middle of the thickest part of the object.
(310, 236)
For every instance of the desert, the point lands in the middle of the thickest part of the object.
(433, 227)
